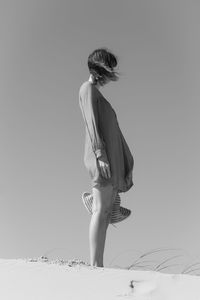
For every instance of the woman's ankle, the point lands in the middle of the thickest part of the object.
(97, 264)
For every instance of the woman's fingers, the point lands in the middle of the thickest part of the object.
(109, 173)
(104, 174)
(102, 171)
(105, 169)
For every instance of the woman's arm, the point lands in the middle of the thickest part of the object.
(88, 105)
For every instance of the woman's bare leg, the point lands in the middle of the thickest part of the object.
(108, 221)
(103, 199)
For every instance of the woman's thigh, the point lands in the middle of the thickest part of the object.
(103, 197)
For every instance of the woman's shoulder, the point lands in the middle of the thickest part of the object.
(84, 87)
(88, 86)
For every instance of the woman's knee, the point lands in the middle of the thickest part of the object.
(104, 214)
(101, 208)
(103, 200)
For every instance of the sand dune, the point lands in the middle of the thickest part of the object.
(26, 279)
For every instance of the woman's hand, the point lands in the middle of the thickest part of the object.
(104, 168)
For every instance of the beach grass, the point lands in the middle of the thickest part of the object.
(144, 261)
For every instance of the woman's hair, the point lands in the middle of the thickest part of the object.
(101, 64)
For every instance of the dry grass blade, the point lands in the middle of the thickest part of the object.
(140, 262)
(157, 267)
(116, 257)
(143, 266)
(167, 267)
(144, 261)
(149, 253)
(192, 270)
(188, 267)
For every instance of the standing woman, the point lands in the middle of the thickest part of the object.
(107, 156)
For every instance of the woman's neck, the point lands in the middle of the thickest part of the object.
(91, 79)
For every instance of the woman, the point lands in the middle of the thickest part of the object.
(107, 156)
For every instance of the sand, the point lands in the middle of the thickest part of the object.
(29, 279)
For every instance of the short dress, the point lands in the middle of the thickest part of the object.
(104, 139)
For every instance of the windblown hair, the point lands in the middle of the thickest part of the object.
(101, 64)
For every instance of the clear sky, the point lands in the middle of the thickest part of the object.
(43, 59)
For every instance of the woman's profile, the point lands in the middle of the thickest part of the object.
(107, 156)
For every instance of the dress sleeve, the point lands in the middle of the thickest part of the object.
(88, 105)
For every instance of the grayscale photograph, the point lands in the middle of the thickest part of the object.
(100, 149)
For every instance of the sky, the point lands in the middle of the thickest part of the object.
(43, 59)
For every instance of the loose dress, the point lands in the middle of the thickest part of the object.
(104, 140)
